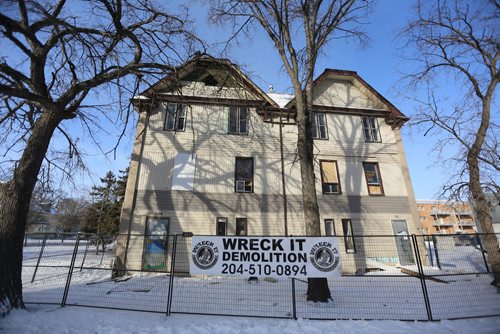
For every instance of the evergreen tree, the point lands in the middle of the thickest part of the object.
(103, 215)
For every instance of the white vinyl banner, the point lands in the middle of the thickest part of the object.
(299, 257)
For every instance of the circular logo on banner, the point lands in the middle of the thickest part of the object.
(205, 255)
(324, 257)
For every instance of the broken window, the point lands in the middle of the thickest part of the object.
(175, 119)
(373, 179)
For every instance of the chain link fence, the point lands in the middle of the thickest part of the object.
(393, 277)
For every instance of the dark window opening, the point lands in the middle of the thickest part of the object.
(241, 227)
(210, 81)
(244, 175)
(221, 225)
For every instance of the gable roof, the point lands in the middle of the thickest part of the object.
(394, 116)
(212, 71)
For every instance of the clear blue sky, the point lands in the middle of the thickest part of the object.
(378, 64)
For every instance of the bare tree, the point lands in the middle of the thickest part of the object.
(458, 41)
(299, 30)
(59, 59)
(69, 213)
(42, 202)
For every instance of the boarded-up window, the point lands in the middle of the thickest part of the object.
(329, 177)
(373, 179)
(241, 227)
(183, 172)
(244, 174)
(238, 120)
(350, 247)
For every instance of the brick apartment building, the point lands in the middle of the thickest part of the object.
(441, 217)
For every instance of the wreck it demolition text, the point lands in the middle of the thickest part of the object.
(265, 256)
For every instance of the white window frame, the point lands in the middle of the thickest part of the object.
(325, 184)
(317, 125)
(177, 118)
(371, 129)
(239, 120)
(348, 236)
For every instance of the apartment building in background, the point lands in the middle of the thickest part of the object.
(442, 217)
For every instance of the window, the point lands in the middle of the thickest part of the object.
(329, 227)
(244, 175)
(318, 125)
(350, 247)
(175, 119)
(241, 226)
(370, 129)
(373, 179)
(221, 226)
(329, 177)
(238, 120)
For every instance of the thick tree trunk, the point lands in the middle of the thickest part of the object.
(481, 204)
(317, 288)
(15, 197)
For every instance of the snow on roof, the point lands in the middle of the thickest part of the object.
(281, 99)
(140, 97)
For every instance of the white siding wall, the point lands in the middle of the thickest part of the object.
(345, 93)
(216, 151)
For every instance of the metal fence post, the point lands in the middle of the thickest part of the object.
(39, 257)
(70, 271)
(172, 272)
(294, 302)
(85, 254)
(422, 277)
(436, 253)
(482, 253)
(103, 250)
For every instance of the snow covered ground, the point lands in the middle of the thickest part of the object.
(456, 290)
(53, 320)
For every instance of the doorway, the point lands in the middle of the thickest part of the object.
(403, 242)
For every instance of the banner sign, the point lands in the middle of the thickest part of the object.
(299, 257)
